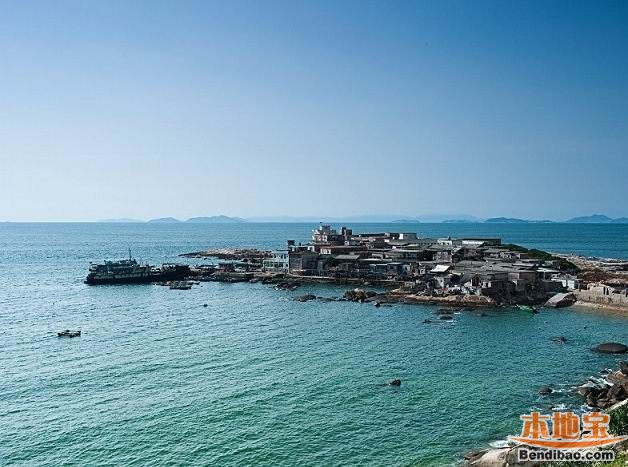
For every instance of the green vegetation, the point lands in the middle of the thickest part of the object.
(561, 263)
(619, 421)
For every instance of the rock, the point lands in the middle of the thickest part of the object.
(611, 347)
(445, 317)
(443, 311)
(490, 458)
(561, 300)
(359, 295)
(591, 401)
(288, 285)
(473, 455)
(395, 382)
(623, 367)
(545, 391)
(559, 339)
(305, 298)
(618, 378)
(377, 304)
(204, 305)
(482, 315)
(616, 394)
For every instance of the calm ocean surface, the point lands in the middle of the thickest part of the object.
(256, 378)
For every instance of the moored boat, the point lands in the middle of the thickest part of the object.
(528, 309)
(130, 271)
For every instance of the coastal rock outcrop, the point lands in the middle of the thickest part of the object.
(602, 394)
(359, 295)
(500, 457)
(561, 300)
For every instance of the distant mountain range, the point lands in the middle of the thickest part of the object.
(436, 218)
(598, 219)
(512, 220)
(593, 219)
(193, 220)
(199, 220)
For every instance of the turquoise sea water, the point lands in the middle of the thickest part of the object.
(256, 378)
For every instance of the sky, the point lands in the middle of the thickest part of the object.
(146, 109)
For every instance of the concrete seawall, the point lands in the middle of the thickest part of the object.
(612, 301)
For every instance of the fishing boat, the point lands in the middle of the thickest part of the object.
(130, 271)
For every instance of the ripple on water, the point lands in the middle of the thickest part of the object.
(254, 377)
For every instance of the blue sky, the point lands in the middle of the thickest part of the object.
(265, 108)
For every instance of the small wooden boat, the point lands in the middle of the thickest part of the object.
(68, 333)
(528, 309)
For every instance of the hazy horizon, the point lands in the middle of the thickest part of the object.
(251, 109)
(367, 218)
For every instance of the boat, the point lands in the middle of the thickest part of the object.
(130, 271)
(68, 333)
(528, 309)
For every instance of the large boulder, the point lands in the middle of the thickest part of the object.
(545, 391)
(499, 457)
(611, 347)
(561, 300)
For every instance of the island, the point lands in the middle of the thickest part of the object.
(465, 272)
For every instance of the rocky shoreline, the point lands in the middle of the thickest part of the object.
(608, 392)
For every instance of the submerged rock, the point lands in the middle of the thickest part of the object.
(395, 382)
(288, 285)
(611, 347)
(445, 317)
(305, 298)
(559, 339)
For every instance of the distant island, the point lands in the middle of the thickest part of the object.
(199, 220)
(512, 220)
(221, 219)
(429, 219)
(598, 219)
(215, 220)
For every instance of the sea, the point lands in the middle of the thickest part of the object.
(256, 378)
